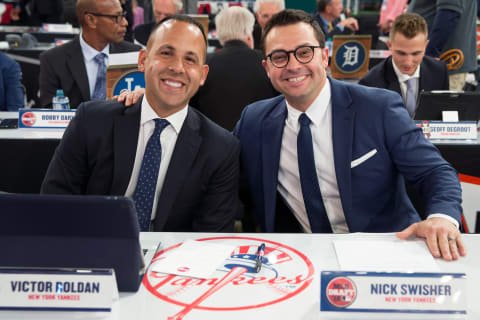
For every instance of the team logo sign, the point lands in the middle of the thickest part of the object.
(129, 80)
(285, 273)
(28, 119)
(341, 292)
(350, 57)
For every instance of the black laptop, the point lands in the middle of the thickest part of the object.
(66, 231)
(431, 104)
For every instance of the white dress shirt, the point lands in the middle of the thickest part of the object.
(404, 77)
(168, 138)
(91, 66)
(289, 187)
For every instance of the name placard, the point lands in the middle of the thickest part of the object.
(464, 130)
(390, 292)
(57, 290)
(44, 118)
(57, 27)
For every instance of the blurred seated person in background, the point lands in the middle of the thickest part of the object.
(79, 66)
(264, 10)
(179, 167)
(236, 77)
(389, 11)
(408, 71)
(161, 10)
(137, 14)
(11, 90)
(328, 17)
(36, 12)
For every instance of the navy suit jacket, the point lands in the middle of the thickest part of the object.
(97, 154)
(433, 76)
(373, 192)
(11, 90)
(63, 68)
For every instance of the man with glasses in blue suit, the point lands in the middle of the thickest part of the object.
(328, 156)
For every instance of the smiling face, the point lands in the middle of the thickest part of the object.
(300, 83)
(407, 53)
(174, 66)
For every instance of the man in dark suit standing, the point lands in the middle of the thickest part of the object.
(184, 175)
(328, 17)
(74, 66)
(161, 10)
(328, 156)
(226, 93)
(408, 70)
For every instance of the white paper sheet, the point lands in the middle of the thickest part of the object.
(389, 255)
(194, 259)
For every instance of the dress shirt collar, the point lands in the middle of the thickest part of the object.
(314, 111)
(176, 120)
(404, 77)
(89, 52)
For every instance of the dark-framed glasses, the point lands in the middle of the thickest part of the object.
(303, 54)
(116, 17)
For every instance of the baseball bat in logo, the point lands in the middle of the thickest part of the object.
(285, 273)
(28, 119)
(341, 292)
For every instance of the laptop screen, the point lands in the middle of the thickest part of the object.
(431, 104)
(71, 231)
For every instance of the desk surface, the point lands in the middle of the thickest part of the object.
(305, 305)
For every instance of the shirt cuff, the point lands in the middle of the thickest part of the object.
(444, 216)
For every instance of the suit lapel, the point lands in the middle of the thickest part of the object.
(77, 68)
(272, 132)
(422, 83)
(125, 137)
(342, 134)
(391, 78)
(186, 148)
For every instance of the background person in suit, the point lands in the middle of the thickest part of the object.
(161, 10)
(11, 90)
(408, 65)
(226, 93)
(363, 145)
(72, 66)
(105, 150)
(264, 10)
(328, 17)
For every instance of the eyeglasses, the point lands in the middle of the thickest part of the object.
(303, 54)
(117, 17)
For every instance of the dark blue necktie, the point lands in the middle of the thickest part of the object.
(312, 196)
(147, 178)
(100, 90)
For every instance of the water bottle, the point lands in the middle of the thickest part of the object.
(60, 101)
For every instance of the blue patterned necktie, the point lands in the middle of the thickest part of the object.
(100, 91)
(312, 196)
(410, 99)
(147, 178)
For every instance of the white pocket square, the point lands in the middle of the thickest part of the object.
(363, 158)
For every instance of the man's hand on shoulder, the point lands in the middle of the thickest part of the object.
(129, 97)
(350, 23)
(443, 237)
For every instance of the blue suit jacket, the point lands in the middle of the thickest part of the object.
(372, 193)
(11, 91)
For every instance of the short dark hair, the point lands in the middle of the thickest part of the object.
(409, 25)
(184, 18)
(291, 16)
(322, 4)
